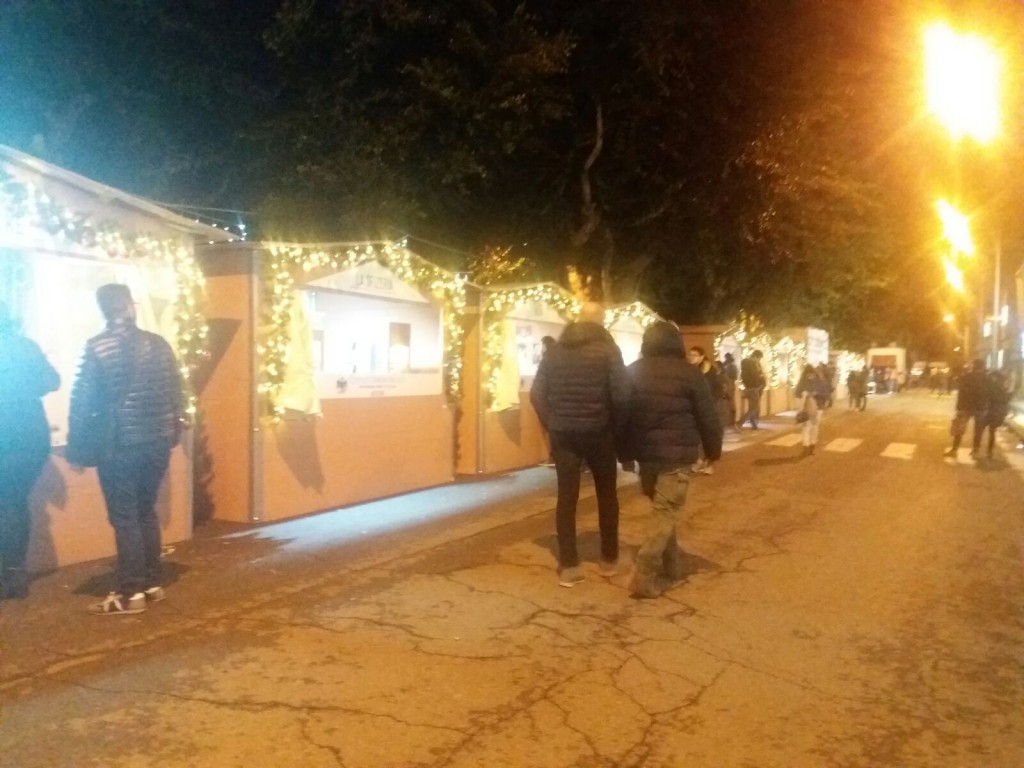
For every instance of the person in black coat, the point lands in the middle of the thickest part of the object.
(581, 396)
(25, 377)
(998, 407)
(971, 403)
(672, 415)
(132, 377)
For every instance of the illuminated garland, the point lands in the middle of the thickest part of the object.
(26, 210)
(795, 353)
(279, 283)
(499, 304)
(748, 333)
(637, 311)
(846, 362)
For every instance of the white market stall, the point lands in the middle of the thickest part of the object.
(627, 323)
(61, 237)
(338, 365)
(498, 428)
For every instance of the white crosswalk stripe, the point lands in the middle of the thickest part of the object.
(900, 450)
(786, 441)
(843, 444)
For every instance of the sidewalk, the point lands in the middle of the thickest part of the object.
(227, 569)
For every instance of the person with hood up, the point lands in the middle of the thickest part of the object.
(672, 413)
(581, 396)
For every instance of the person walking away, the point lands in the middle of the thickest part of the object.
(815, 392)
(25, 377)
(853, 388)
(672, 415)
(753, 379)
(131, 377)
(581, 395)
(715, 381)
(971, 403)
(998, 407)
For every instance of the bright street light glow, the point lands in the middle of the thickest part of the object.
(956, 228)
(948, 317)
(962, 83)
(954, 276)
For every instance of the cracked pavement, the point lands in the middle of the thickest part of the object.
(845, 610)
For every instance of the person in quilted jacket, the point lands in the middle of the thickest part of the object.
(672, 413)
(130, 377)
(581, 396)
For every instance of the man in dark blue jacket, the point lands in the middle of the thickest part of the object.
(130, 376)
(672, 413)
(581, 395)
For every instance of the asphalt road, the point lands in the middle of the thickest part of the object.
(857, 608)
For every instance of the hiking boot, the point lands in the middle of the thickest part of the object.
(672, 564)
(155, 594)
(570, 577)
(115, 603)
(644, 584)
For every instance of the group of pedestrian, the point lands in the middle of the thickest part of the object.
(982, 397)
(658, 413)
(857, 388)
(126, 415)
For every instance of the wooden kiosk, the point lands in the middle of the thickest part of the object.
(498, 428)
(627, 323)
(334, 370)
(61, 237)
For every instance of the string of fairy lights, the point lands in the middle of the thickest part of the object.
(287, 262)
(498, 304)
(27, 211)
(792, 357)
(635, 311)
(749, 334)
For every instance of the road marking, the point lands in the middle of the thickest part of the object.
(786, 441)
(900, 450)
(843, 444)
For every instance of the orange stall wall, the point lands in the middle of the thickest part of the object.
(357, 451)
(223, 484)
(69, 516)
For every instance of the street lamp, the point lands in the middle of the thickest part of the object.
(962, 84)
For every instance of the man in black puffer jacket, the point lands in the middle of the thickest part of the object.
(131, 375)
(672, 413)
(581, 395)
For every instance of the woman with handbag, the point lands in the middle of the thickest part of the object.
(25, 377)
(809, 415)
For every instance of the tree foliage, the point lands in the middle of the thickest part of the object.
(703, 156)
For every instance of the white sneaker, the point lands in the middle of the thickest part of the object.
(116, 603)
(570, 577)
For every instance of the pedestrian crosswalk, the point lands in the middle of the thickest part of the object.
(848, 444)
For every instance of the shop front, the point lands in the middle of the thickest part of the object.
(498, 428)
(627, 323)
(61, 237)
(335, 371)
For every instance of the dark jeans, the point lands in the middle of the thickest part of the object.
(18, 473)
(570, 450)
(752, 397)
(130, 483)
(979, 428)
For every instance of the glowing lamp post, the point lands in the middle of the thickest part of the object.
(962, 85)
